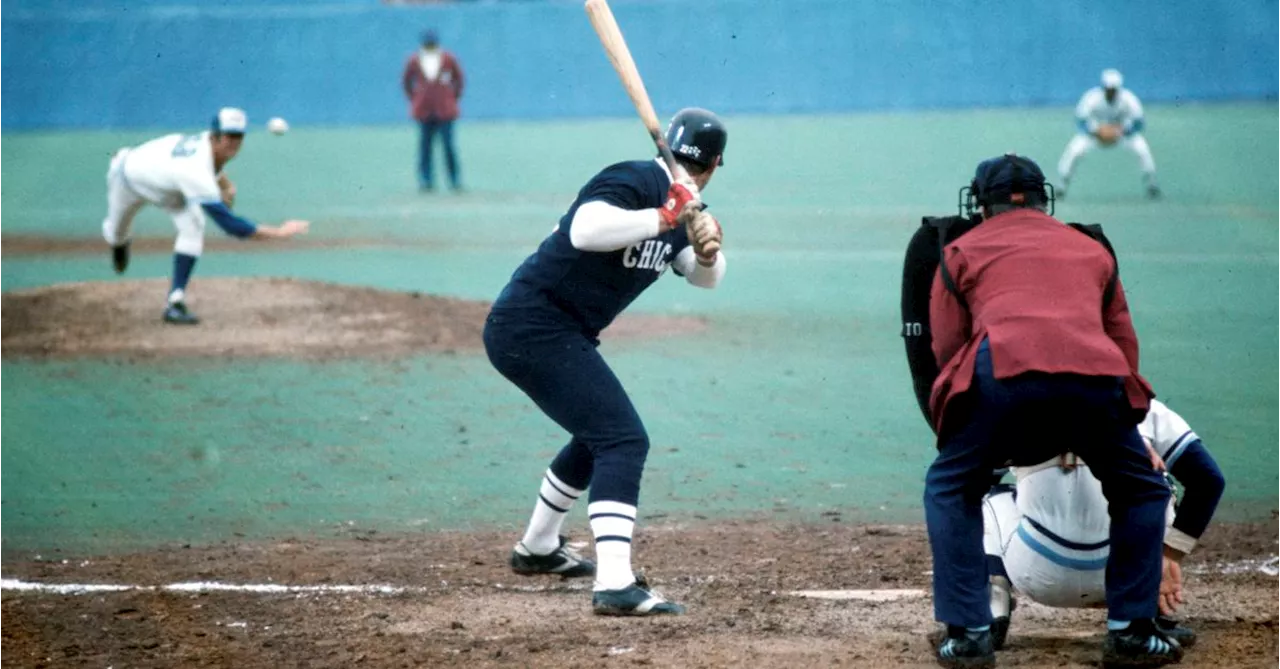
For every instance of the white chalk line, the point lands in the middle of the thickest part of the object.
(1269, 566)
(860, 595)
(17, 585)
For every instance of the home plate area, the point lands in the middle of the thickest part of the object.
(759, 594)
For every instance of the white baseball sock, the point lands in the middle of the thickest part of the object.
(612, 524)
(1000, 597)
(555, 498)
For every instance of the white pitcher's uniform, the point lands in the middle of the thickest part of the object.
(175, 173)
(1054, 538)
(1092, 112)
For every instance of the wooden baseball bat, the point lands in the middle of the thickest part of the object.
(616, 48)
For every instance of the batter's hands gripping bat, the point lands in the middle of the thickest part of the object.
(616, 48)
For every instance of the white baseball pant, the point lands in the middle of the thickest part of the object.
(124, 203)
(1082, 144)
(1038, 567)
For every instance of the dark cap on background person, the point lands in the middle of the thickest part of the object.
(1008, 179)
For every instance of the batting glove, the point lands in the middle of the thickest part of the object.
(680, 196)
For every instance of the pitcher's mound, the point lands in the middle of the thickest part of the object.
(254, 317)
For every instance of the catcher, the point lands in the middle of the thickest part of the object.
(1048, 537)
(628, 224)
(1106, 116)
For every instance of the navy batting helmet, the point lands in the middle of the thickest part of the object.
(697, 136)
(1007, 179)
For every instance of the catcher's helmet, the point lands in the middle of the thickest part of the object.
(696, 135)
(1007, 179)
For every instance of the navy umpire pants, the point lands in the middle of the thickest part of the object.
(1027, 420)
(428, 131)
(559, 368)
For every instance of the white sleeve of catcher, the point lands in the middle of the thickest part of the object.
(1166, 431)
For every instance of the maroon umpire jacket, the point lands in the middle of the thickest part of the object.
(433, 99)
(1035, 288)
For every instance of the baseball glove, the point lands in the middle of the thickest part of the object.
(705, 235)
(1109, 134)
(228, 190)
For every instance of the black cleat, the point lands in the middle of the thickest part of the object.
(1153, 192)
(1141, 645)
(563, 561)
(634, 600)
(177, 314)
(999, 632)
(1185, 636)
(961, 649)
(120, 257)
(1000, 624)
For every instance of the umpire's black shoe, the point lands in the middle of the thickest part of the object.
(634, 600)
(1185, 636)
(962, 649)
(178, 314)
(120, 257)
(1141, 645)
(563, 561)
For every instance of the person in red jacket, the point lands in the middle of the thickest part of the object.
(1038, 356)
(432, 82)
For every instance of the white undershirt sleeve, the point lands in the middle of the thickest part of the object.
(600, 226)
(695, 273)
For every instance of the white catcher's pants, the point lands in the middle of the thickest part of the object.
(1081, 144)
(1033, 575)
(123, 204)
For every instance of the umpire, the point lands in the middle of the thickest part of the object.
(1037, 355)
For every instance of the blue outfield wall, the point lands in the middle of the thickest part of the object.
(146, 63)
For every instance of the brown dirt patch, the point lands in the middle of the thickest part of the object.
(39, 245)
(255, 317)
(466, 609)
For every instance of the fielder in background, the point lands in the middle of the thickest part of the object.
(1048, 537)
(182, 174)
(628, 224)
(432, 82)
(1108, 115)
(1030, 328)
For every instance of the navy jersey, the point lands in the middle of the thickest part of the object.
(592, 288)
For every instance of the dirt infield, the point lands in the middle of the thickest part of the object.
(254, 317)
(461, 607)
(18, 246)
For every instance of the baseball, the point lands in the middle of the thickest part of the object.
(277, 126)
